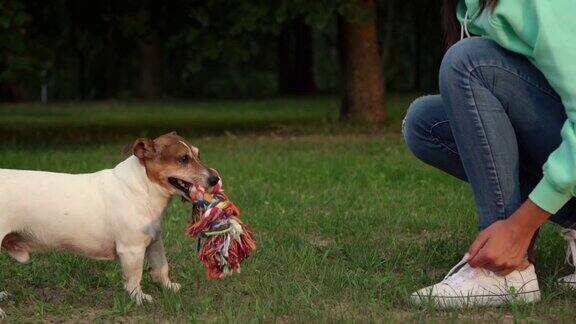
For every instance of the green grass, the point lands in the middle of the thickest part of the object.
(348, 223)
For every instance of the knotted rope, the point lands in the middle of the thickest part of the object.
(223, 240)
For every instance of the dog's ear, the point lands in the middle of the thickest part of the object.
(144, 148)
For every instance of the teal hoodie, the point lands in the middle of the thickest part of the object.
(545, 32)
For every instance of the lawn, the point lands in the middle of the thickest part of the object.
(348, 223)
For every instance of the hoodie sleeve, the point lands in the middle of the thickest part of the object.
(554, 54)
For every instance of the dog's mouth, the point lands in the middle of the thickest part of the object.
(181, 185)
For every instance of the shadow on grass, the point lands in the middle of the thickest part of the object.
(94, 123)
(30, 135)
(99, 122)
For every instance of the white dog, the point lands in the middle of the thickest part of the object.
(103, 215)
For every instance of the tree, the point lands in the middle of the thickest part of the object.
(296, 58)
(184, 48)
(363, 97)
(145, 23)
(22, 57)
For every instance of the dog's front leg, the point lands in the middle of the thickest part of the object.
(159, 265)
(132, 260)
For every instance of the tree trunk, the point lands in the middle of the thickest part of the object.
(387, 41)
(295, 58)
(304, 58)
(81, 71)
(284, 66)
(363, 98)
(150, 68)
(418, 23)
(16, 92)
(386, 50)
(111, 81)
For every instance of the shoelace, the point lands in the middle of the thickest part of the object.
(570, 237)
(455, 275)
(456, 268)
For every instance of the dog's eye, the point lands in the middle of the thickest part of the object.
(184, 159)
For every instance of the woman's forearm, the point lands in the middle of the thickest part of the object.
(529, 217)
(503, 246)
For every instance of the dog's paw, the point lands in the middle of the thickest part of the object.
(175, 287)
(3, 295)
(140, 297)
(2, 314)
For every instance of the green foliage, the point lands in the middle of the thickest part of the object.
(20, 60)
(93, 49)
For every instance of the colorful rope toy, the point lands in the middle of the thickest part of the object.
(223, 240)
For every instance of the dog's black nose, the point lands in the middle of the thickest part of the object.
(213, 180)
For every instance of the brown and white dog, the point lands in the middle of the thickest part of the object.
(106, 214)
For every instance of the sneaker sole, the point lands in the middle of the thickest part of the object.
(476, 301)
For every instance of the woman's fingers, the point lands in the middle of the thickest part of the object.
(477, 245)
(480, 259)
(490, 257)
(501, 247)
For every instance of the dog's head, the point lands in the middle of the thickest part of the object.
(173, 163)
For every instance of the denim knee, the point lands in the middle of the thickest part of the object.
(464, 57)
(414, 126)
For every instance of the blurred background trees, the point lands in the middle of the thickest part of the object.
(65, 49)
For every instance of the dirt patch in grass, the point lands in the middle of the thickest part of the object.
(487, 317)
(52, 294)
(423, 237)
(346, 311)
(319, 241)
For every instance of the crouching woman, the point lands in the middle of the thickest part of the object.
(505, 122)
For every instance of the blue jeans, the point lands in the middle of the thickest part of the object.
(493, 125)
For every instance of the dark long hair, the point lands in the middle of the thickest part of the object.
(450, 23)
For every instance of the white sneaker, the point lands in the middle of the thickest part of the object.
(466, 286)
(570, 236)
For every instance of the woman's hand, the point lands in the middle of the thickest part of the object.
(502, 247)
